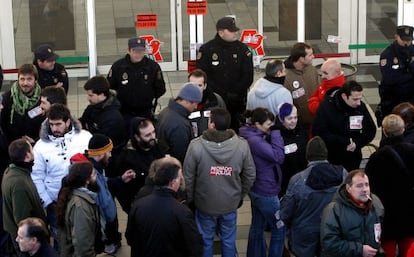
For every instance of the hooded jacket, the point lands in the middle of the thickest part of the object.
(345, 228)
(307, 195)
(267, 156)
(82, 227)
(268, 94)
(52, 158)
(304, 81)
(219, 171)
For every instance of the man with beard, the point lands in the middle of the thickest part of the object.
(137, 156)
(21, 115)
(397, 70)
(20, 198)
(60, 138)
(98, 153)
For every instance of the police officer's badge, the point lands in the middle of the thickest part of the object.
(234, 56)
(125, 76)
(407, 31)
(395, 60)
(146, 77)
(214, 57)
(383, 62)
(49, 50)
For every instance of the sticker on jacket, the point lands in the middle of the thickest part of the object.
(221, 171)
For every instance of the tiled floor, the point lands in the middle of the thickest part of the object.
(367, 75)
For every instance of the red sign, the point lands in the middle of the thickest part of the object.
(191, 65)
(253, 40)
(146, 21)
(196, 8)
(153, 48)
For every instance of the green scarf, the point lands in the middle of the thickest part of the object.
(21, 102)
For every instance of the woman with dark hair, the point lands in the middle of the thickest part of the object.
(78, 217)
(267, 150)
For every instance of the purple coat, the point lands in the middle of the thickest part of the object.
(267, 157)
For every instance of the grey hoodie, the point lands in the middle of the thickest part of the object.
(219, 171)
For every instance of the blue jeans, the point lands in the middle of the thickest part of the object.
(265, 210)
(225, 225)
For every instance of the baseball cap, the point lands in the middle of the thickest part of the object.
(137, 43)
(405, 32)
(228, 23)
(45, 52)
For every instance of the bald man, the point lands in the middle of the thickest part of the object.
(332, 77)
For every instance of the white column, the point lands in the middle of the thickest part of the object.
(301, 20)
(93, 56)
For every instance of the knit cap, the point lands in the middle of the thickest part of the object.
(191, 92)
(316, 149)
(99, 144)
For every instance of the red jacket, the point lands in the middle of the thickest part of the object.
(318, 95)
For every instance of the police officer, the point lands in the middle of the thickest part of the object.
(397, 69)
(229, 67)
(50, 72)
(137, 80)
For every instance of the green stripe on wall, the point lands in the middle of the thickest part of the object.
(73, 59)
(368, 46)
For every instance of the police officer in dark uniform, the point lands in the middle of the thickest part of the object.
(50, 72)
(137, 80)
(397, 69)
(229, 67)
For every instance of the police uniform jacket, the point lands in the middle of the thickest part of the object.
(137, 84)
(229, 69)
(51, 78)
(397, 69)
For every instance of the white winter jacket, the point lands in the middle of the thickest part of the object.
(52, 158)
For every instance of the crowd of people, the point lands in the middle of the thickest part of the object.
(291, 142)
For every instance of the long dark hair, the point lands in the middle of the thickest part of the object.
(79, 173)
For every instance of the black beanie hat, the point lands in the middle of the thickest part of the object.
(99, 144)
(316, 150)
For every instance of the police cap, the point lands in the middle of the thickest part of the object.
(45, 52)
(405, 32)
(228, 23)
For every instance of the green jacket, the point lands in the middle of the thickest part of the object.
(345, 228)
(78, 237)
(20, 198)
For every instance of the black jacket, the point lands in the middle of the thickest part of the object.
(138, 160)
(332, 124)
(229, 69)
(294, 161)
(159, 226)
(394, 184)
(105, 118)
(137, 84)
(50, 78)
